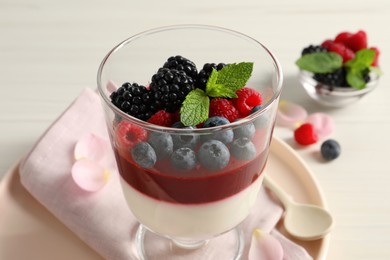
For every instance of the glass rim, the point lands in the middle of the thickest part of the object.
(157, 128)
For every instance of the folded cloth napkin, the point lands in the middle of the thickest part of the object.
(102, 219)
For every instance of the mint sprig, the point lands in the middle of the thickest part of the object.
(358, 66)
(223, 83)
(320, 62)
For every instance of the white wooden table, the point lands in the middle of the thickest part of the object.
(50, 51)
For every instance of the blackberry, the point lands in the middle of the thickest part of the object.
(336, 78)
(205, 73)
(168, 88)
(182, 64)
(134, 100)
(313, 49)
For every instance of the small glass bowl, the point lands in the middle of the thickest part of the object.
(334, 96)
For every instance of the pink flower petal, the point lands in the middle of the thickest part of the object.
(323, 124)
(290, 114)
(91, 147)
(265, 247)
(89, 175)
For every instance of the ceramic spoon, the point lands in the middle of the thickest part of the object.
(303, 221)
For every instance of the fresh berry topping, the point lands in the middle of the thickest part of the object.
(313, 49)
(343, 37)
(169, 87)
(205, 73)
(215, 121)
(247, 99)
(134, 100)
(178, 124)
(330, 149)
(162, 144)
(245, 130)
(185, 139)
(162, 118)
(375, 63)
(336, 78)
(144, 155)
(357, 41)
(182, 64)
(224, 108)
(213, 155)
(342, 50)
(326, 44)
(128, 134)
(243, 149)
(256, 108)
(305, 134)
(225, 136)
(183, 159)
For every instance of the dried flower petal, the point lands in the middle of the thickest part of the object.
(290, 114)
(323, 124)
(265, 247)
(89, 175)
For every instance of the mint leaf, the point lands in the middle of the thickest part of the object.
(227, 81)
(355, 78)
(195, 108)
(322, 62)
(358, 66)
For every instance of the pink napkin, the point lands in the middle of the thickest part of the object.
(102, 218)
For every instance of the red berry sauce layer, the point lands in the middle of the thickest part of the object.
(196, 186)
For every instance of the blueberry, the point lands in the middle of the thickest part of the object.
(225, 136)
(215, 121)
(162, 144)
(262, 120)
(243, 149)
(214, 155)
(144, 155)
(247, 130)
(185, 140)
(330, 149)
(183, 159)
(178, 124)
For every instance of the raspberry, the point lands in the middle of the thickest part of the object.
(162, 118)
(344, 52)
(128, 134)
(343, 37)
(357, 41)
(326, 44)
(223, 107)
(247, 99)
(305, 134)
(375, 63)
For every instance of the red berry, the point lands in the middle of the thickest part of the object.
(305, 134)
(162, 118)
(247, 99)
(375, 63)
(326, 44)
(223, 107)
(343, 37)
(357, 41)
(341, 49)
(128, 134)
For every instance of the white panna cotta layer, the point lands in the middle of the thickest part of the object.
(191, 221)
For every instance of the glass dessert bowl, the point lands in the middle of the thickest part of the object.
(194, 181)
(339, 71)
(331, 95)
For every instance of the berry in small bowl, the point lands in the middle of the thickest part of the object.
(339, 71)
